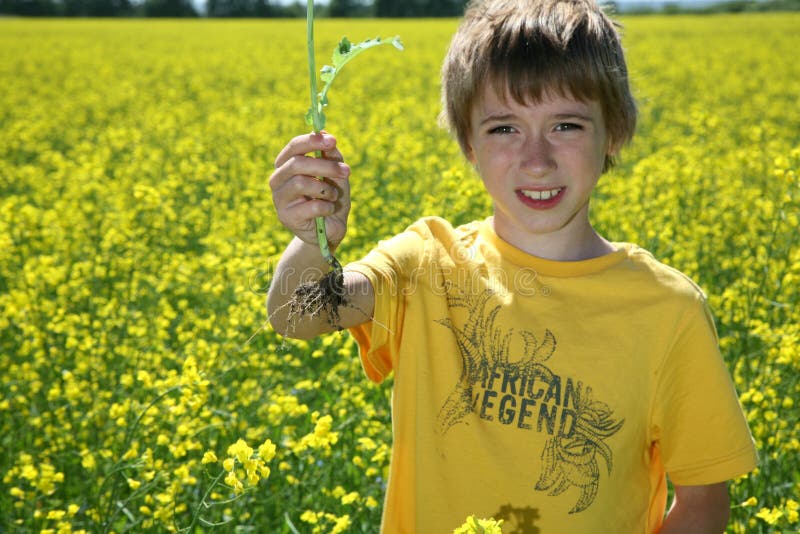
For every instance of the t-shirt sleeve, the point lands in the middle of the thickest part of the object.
(698, 422)
(389, 268)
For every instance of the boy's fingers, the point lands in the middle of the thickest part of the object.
(304, 144)
(300, 216)
(297, 204)
(333, 155)
(308, 166)
(305, 188)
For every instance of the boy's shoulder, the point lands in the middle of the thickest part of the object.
(440, 233)
(643, 264)
(439, 227)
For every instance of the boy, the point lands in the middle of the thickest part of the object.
(542, 374)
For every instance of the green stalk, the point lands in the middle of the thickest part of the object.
(319, 222)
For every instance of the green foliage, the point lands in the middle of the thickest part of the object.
(315, 116)
(343, 53)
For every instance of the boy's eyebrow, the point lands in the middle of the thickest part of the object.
(503, 117)
(575, 115)
(498, 117)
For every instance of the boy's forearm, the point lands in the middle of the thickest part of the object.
(300, 263)
(680, 521)
(698, 510)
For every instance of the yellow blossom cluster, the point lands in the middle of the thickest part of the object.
(138, 238)
(320, 438)
(240, 455)
(474, 525)
(326, 522)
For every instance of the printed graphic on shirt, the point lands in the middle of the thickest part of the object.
(522, 391)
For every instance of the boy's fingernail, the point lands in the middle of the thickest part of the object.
(344, 169)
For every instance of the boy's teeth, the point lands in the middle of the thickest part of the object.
(541, 195)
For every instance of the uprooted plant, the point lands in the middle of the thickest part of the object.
(326, 295)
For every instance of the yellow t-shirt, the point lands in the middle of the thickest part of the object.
(554, 395)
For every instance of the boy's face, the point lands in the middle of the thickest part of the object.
(539, 162)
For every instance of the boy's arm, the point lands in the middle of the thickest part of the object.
(299, 196)
(302, 262)
(698, 510)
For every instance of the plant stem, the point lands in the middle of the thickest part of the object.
(319, 222)
(312, 68)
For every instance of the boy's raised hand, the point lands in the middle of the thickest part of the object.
(299, 196)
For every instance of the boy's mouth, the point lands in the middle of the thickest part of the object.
(541, 199)
(545, 194)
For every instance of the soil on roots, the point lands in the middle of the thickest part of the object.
(323, 296)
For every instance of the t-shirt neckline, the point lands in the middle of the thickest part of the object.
(546, 267)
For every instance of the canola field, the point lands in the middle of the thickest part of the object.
(141, 386)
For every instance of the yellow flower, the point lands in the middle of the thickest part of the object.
(341, 524)
(480, 526)
(209, 458)
(240, 450)
(792, 516)
(770, 516)
(233, 481)
(309, 517)
(792, 511)
(267, 450)
(349, 498)
(367, 444)
(752, 501)
(323, 426)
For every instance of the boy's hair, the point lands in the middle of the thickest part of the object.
(527, 48)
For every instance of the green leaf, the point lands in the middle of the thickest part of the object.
(345, 50)
(342, 54)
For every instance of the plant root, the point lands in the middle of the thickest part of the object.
(312, 299)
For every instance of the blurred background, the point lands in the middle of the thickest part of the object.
(341, 8)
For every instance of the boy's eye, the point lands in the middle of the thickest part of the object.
(567, 126)
(501, 130)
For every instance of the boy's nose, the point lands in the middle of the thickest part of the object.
(537, 157)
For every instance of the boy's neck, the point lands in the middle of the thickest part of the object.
(567, 244)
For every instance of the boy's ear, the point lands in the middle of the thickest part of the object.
(469, 154)
(613, 147)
